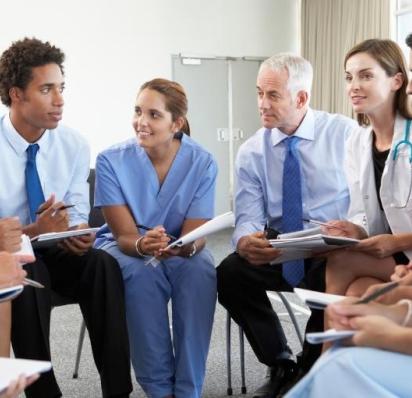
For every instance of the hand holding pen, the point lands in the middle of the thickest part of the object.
(155, 239)
(341, 228)
(52, 217)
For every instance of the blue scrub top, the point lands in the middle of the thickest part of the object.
(125, 175)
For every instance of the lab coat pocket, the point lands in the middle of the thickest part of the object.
(401, 180)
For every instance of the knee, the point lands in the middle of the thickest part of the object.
(227, 271)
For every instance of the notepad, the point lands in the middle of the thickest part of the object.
(51, 238)
(329, 335)
(9, 293)
(25, 254)
(12, 368)
(317, 300)
(300, 247)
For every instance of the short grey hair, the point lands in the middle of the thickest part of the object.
(299, 69)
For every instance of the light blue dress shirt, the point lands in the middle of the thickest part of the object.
(63, 163)
(259, 173)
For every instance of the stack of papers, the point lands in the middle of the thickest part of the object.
(51, 238)
(11, 369)
(317, 300)
(298, 247)
(10, 293)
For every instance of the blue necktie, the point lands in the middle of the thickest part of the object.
(293, 271)
(34, 190)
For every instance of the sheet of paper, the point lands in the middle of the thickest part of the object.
(216, 224)
(328, 335)
(11, 368)
(317, 300)
(9, 293)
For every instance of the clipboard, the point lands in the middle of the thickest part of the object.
(51, 238)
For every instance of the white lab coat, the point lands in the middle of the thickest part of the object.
(395, 188)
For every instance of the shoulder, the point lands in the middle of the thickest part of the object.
(120, 150)
(69, 137)
(334, 122)
(198, 153)
(253, 145)
(359, 137)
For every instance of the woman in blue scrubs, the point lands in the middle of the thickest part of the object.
(164, 180)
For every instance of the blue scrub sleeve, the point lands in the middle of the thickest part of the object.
(203, 203)
(107, 190)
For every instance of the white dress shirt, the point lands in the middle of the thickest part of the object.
(259, 173)
(63, 163)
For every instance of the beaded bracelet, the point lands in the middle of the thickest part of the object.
(408, 314)
(138, 248)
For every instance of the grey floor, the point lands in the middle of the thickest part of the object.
(65, 331)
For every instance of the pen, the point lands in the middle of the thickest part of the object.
(33, 283)
(150, 229)
(320, 223)
(60, 208)
(385, 289)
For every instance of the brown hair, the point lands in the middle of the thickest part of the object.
(175, 98)
(389, 56)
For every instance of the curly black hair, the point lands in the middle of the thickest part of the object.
(17, 61)
(409, 41)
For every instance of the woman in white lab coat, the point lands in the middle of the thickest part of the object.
(379, 171)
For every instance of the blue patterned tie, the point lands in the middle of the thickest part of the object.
(34, 190)
(293, 271)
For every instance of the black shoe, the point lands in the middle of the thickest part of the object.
(291, 383)
(276, 378)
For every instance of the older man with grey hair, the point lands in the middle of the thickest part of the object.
(289, 171)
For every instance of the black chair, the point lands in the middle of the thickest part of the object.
(96, 219)
(242, 345)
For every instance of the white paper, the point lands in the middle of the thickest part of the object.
(317, 300)
(306, 246)
(11, 369)
(329, 335)
(9, 293)
(25, 254)
(216, 224)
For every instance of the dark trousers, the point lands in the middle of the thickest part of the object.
(95, 282)
(242, 291)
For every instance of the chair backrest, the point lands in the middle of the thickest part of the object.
(96, 218)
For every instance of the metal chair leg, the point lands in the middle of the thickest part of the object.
(242, 359)
(292, 316)
(228, 355)
(79, 349)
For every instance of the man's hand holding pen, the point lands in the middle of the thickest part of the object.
(256, 249)
(52, 217)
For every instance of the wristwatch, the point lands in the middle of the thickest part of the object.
(194, 250)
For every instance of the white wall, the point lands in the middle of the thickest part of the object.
(112, 47)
